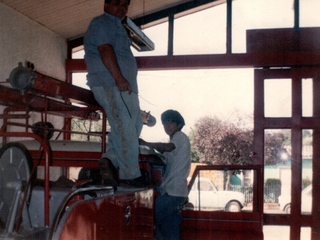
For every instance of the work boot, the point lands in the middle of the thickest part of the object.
(108, 173)
(140, 182)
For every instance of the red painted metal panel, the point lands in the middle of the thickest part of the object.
(120, 216)
(271, 40)
(223, 235)
(221, 225)
(225, 225)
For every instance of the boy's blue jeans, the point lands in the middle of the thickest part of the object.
(124, 116)
(168, 217)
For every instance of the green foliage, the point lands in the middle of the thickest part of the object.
(273, 182)
(221, 142)
(274, 147)
(305, 182)
(85, 126)
(225, 143)
(195, 156)
(307, 137)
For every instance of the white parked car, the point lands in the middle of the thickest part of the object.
(212, 198)
(306, 201)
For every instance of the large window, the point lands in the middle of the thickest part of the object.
(203, 32)
(159, 35)
(222, 190)
(277, 98)
(309, 15)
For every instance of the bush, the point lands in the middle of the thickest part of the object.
(273, 182)
(272, 190)
(305, 183)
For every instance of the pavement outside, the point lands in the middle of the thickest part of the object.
(283, 233)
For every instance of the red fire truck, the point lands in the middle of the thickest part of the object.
(39, 208)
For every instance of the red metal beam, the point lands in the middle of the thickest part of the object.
(13, 98)
(241, 60)
(69, 159)
(62, 90)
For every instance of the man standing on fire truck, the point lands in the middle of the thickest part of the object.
(112, 77)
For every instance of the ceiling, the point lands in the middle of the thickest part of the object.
(70, 18)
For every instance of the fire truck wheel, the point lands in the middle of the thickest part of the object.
(15, 165)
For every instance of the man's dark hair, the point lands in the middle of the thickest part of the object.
(108, 1)
(172, 116)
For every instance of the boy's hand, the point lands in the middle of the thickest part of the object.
(148, 119)
(145, 116)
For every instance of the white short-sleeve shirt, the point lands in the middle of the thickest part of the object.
(178, 164)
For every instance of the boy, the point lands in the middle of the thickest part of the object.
(174, 187)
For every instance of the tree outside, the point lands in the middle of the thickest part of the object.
(215, 141)
(219, 142)
(86, 126)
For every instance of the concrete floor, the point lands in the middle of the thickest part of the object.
(283, 233)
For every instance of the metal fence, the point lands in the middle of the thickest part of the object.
(271, 192)
(246, 190)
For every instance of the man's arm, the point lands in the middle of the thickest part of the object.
(161, 147)
(109, 59)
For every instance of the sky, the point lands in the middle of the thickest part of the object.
(222, 93)
(195, 94)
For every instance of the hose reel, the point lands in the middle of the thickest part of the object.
(22, 78)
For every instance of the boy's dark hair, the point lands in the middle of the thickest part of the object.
(108, 1)
(172, 116)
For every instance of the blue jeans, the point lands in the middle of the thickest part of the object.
(168, 217)
(124, 116)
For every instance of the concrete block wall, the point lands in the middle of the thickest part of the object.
(22, 40)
